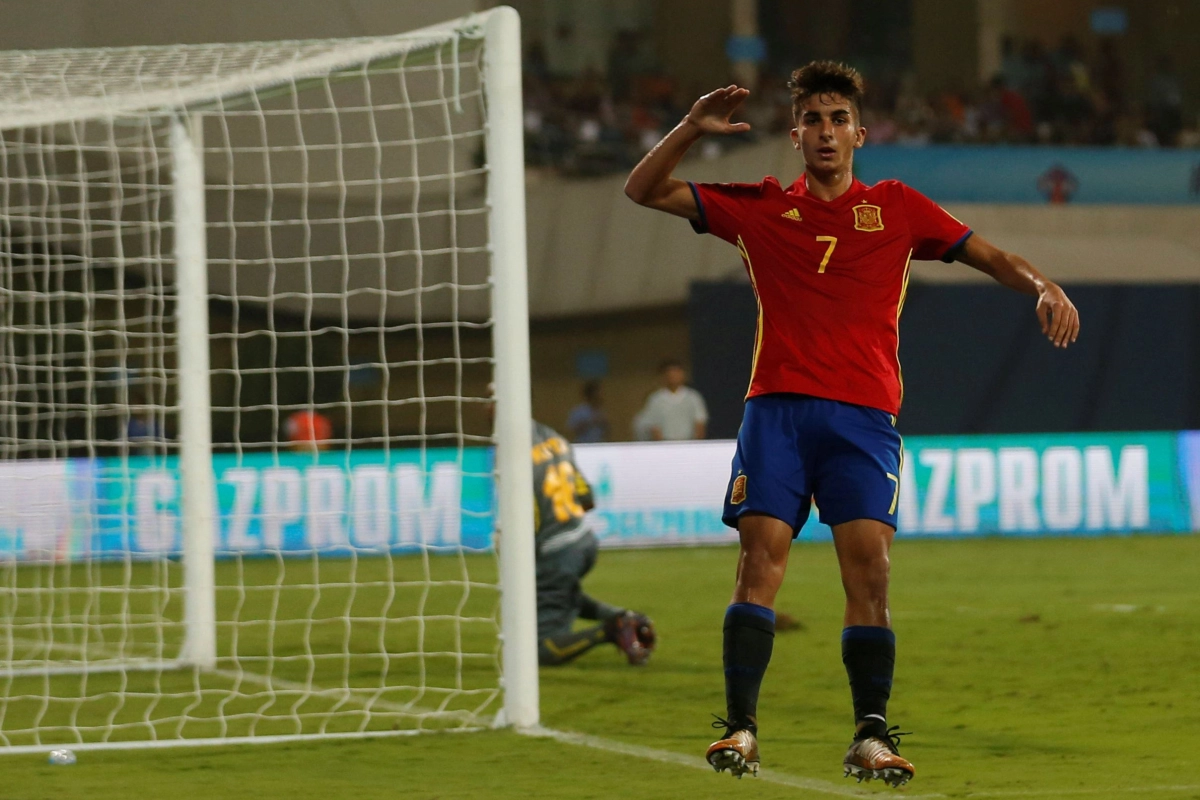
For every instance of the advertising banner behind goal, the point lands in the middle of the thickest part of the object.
(653, 494)
(291, 503)
(647, 494)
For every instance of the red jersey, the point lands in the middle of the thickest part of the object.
(830, 279)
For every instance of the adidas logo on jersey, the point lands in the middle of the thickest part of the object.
(792, 214)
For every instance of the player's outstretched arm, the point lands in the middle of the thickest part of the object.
(1055, 311)
(650, 184)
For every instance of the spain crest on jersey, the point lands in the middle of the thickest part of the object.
(868, 218)
(737, 495)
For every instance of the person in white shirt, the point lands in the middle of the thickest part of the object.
(641, 422)
(675, 412)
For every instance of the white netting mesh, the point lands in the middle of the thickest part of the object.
(349, 290)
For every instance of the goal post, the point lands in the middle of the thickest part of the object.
(195, 400)
(506, 199)
(253, 299)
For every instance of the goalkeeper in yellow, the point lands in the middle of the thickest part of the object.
(566, 551)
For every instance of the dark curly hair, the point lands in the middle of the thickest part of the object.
(826, 77)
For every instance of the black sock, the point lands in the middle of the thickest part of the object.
(556, 650)
(749, 636)
(591, 608)
(869, 654)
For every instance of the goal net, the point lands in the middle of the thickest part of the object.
(253, 299)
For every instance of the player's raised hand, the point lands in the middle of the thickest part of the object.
(651, 183)
(1058, 315)
(711, 112)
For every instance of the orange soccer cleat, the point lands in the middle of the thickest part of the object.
(737, 752)
(878, 757)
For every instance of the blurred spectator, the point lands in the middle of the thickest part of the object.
(587, 421)
(913, 111)
(1131, 131)
(627, 61)
(1015, 118)
(1145, 136)
(1075, 111)
(308, 431)
(536, 67)
(1012, 66)
(1038, 88)
(642, 428)
(592, 124)
(1164, 103)
(1190, 137)
(1110, 74)
(676, 411)
(881, 126)
(144, 430)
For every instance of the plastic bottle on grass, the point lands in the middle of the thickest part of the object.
(61, 757)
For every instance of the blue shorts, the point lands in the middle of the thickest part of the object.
(794, 449)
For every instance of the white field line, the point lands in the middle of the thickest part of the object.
(695, 762)
(828, 787)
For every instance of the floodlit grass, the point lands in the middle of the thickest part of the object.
(1041, 668)
(304, 645)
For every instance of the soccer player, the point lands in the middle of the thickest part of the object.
(565, 552)
(828, 258)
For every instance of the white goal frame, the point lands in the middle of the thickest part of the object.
(503, 137)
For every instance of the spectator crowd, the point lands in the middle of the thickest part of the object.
(673, 412)
(596, 123)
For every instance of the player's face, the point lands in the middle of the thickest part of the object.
(827, 132)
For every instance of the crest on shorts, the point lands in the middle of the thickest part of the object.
(737, 495)
(868, 218)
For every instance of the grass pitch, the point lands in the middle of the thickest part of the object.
(1025, 668)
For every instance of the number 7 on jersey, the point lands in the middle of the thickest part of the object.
(828, 251)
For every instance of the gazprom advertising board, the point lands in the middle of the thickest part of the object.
(1090, 484)
(364, 501)
(647, 494)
